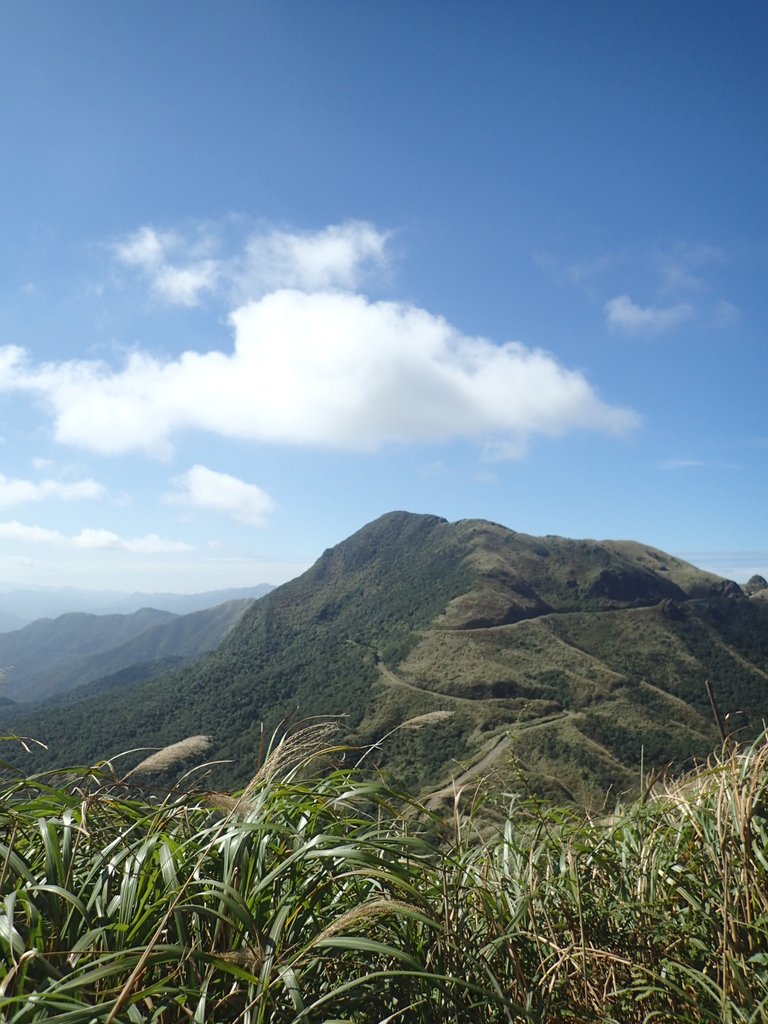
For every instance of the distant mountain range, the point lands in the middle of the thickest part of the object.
(21, 605)
(50, 657)
(462, 651)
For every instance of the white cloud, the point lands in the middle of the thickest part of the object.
(336, 257)
(179, 283)
(201, 487)
(89, 539)
(151, 544)
(26, 534)
(180, 271)
(12, 359)
(325, 370)
(145, 248)
(625, 315)
(19, 492)
(182, 285)
(128, 404)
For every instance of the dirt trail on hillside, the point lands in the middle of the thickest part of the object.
(390, 677)
(481, 766)
(484, 763)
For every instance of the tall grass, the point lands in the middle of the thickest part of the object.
(321, 895)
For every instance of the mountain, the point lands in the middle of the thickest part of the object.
(52, 656)
(20, 606)
(463, 649)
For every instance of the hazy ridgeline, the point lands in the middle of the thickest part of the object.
(319, 894)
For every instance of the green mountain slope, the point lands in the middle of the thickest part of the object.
(52, 656)
(575, 660)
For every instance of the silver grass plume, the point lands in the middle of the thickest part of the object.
(171, 755)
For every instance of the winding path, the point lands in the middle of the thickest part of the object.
(479, 768)
(485, 760)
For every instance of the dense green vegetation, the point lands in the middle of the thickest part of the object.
(321, 895)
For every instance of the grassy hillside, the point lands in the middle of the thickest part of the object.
(574, 660)
(319, 894)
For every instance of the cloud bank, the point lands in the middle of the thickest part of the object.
(20, 492)
(90, 539)
(327, 370)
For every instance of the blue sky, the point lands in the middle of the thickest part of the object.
(271, 269)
